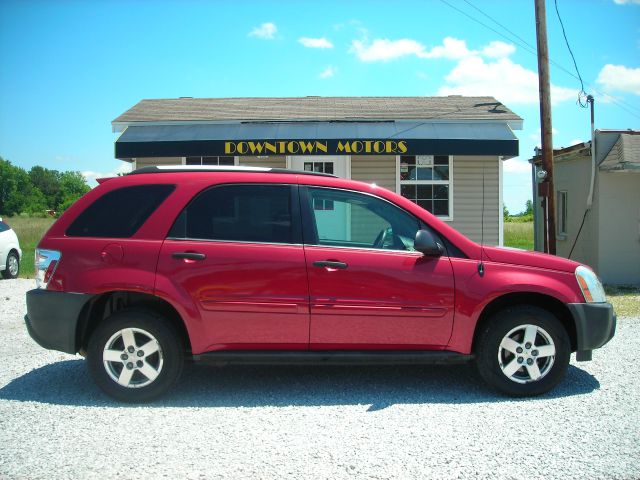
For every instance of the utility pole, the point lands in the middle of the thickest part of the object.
(546, 187)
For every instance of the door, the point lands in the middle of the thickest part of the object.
(235, 255)
(368, 288)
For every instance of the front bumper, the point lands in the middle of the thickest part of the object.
(52, 318)
(595, 325)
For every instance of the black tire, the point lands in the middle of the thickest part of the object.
(494, 360)
(144, 327)
(12, 267)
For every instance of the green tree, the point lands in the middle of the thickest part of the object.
(7, 184)
(72, 187)
(48, 182)
(38, 190)
(528, 210)
(17, 192)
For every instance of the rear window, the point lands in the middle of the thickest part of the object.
(239, 213)
(119, 213)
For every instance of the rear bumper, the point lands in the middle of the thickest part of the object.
(52, 318)
(595, 325)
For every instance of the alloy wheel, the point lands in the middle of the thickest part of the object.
(133, 357)
(526, 354)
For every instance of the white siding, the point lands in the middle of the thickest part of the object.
(154, 161)
(275, 161)
(573, 175)
(380, 170)
(468, 195)
(619, 228)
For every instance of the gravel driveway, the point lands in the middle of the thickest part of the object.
(314, 422)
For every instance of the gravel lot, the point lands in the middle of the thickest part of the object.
(314, 422)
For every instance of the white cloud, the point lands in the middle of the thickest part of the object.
(451, 48)
(328, 72)
(508, 81)
(383, 50)
(90, 176)
(265, 31)
(498, 49)
(315, 42)
(620, 78)
(575, 141)
(515, 165)
(483, 72)
(623, 2)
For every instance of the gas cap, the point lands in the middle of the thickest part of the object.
(112, 253)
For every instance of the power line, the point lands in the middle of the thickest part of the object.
(581, 93)
(521, 42)
(487, 26)
(501, 25)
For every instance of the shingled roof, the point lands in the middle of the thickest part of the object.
(625, 154)
(317, 109)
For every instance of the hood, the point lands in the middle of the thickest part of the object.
(516, 256)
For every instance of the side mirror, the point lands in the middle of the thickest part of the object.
(427, 244)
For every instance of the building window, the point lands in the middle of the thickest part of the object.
(319, 167)
(225, 161)
(562, 213)
(426, 180)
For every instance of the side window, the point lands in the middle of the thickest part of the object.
(561, 202)
(3, 227)
(119, 213)
(360, 221)
(242, 213)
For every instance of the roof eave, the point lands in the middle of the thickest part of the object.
(120, 126)
(622, 167)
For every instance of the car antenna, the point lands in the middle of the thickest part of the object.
(481, 264)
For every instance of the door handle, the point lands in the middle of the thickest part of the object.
(189, 255)
(330, 264)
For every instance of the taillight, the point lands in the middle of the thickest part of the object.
(46, 264)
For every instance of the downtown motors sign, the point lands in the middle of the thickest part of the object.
(315, 147)
(142, 145)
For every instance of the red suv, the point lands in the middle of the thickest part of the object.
(271, 266)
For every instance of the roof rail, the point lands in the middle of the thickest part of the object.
(221, 168)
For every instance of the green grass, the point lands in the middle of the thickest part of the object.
(519, 235)
(29, 231)
(625, 299)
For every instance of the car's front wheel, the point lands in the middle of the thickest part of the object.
(523, 351)
(135, 355)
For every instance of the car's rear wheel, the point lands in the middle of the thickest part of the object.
(135, 355)
(523, 351)
(12, 267)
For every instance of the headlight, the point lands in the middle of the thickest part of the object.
(590, 285)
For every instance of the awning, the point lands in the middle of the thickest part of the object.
(317, 138)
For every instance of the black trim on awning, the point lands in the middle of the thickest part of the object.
(317, 138)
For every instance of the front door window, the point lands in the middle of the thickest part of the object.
(361, 221)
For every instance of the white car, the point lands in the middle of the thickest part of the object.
(10, 253)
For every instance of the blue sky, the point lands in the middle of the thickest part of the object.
(68, 68)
